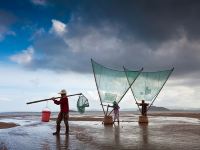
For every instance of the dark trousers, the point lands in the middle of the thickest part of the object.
(62, 116)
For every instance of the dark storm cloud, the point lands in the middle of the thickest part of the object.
(151, 34)
(6, 20)
(57, 56)
(151, 21)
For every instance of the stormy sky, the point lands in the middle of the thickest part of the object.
(62, 36)
(117, 33)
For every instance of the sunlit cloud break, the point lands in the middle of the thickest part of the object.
(58, 28)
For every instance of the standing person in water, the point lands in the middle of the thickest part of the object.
(64, 112)
(144, 107)
(116, 111)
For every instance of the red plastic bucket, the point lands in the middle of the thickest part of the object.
(46, 115)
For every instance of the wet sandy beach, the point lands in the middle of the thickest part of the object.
(162, 132)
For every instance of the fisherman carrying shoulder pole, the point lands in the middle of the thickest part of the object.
(64, 109)
(64, 112)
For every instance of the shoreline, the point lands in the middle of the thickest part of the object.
(4, 125)
(176, 114)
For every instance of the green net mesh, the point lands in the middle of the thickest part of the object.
(148, 84)
(82, 103)
(111, 84)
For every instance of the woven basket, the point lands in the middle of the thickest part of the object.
(108, 120)
(143, 119)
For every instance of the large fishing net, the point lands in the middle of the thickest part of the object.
(111, 84)
(82, 103)
(148, 84)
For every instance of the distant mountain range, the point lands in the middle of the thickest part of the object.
(155, 108)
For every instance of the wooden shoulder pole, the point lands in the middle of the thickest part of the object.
(42, 100)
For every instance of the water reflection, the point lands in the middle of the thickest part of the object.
(117, 135)
(144, 137)
(112, 135)
(45, 145)
(62, 142)
(108, 131)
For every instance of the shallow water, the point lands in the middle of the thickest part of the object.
(161, 133)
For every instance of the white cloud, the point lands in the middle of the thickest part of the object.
(39, 84)
(176, 95)
(39, 2)
(24, 57)
(39, 32)
(4, 98)
(58, 27)
(4, 31)
(11, 33)
(28, 85)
